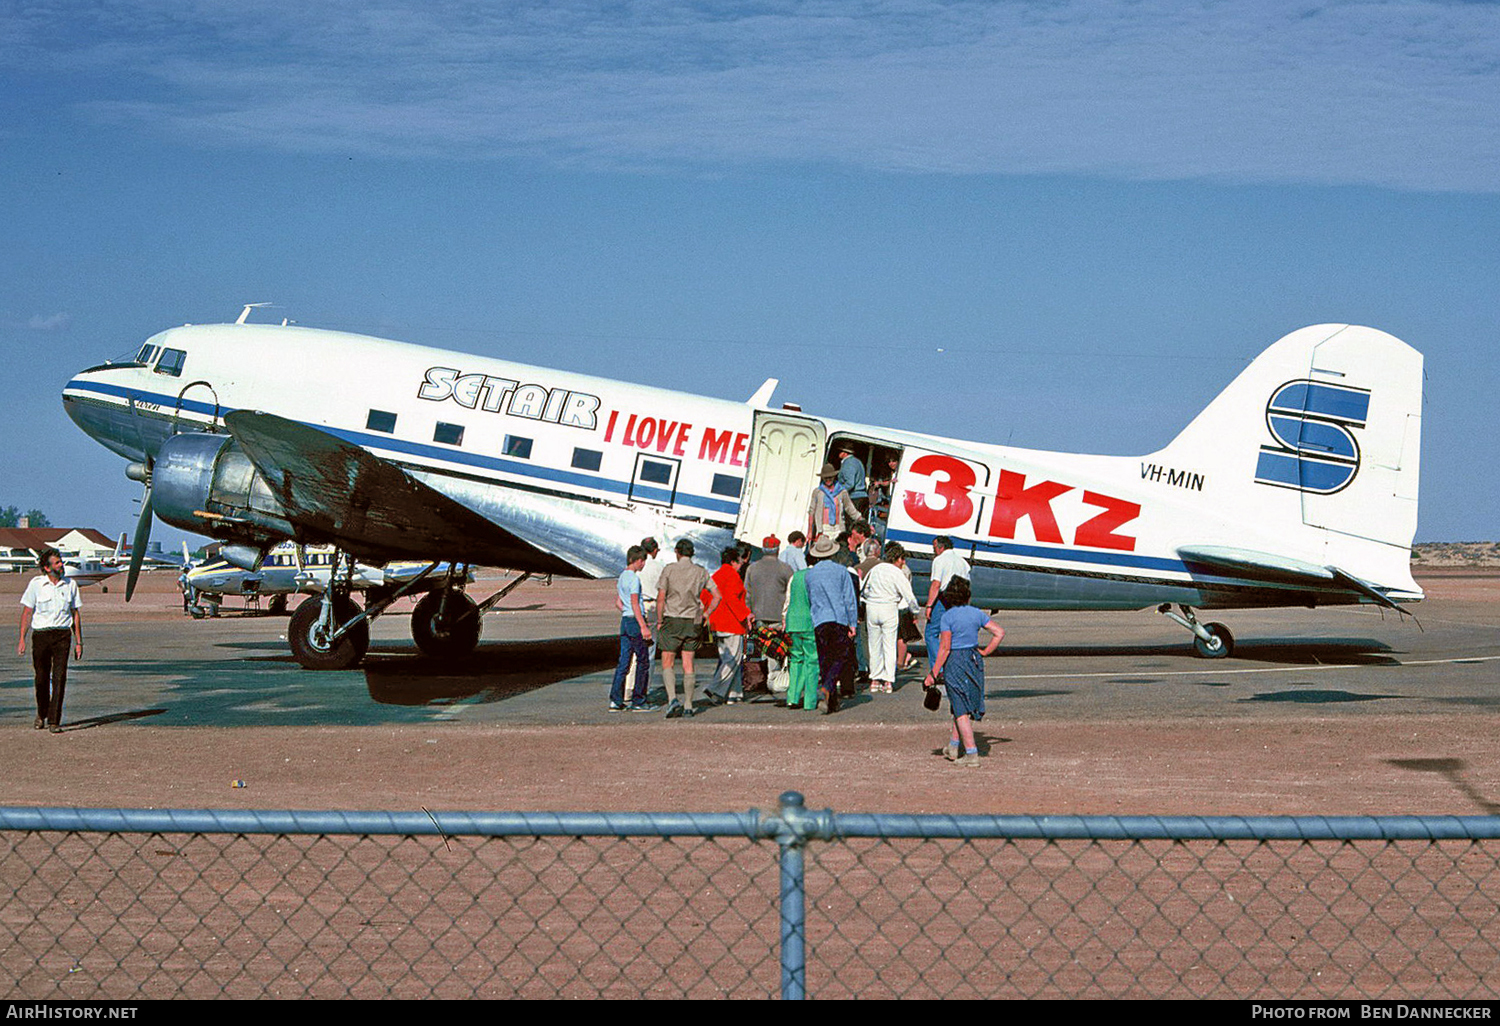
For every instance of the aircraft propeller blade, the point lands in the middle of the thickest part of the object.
(138, 546)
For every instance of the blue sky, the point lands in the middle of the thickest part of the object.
(1076, 221)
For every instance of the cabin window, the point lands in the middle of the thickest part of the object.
(449, 434)
(727, 484)
(171, 362)
(518, 447)
(653, 472)
(379, 420)
(587, 459)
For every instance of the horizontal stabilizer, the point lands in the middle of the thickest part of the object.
(1267, 566)
(335, 490)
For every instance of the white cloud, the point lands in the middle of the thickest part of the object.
(1388, 92)
(50, 322)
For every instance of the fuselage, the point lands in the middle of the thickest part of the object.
(593, 465)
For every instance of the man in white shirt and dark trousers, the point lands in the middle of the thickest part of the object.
(946, 565)
(50, 610)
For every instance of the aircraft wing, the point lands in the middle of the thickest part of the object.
(1268, 566)
(335, 490)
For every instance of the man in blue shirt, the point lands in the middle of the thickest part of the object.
(835, 613)
(635, 635)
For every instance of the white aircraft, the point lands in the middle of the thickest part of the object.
(1297, 486)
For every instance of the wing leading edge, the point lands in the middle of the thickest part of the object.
(368, 506)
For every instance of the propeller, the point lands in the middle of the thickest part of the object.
(142, 538)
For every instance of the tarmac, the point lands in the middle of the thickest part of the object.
(1345, 710)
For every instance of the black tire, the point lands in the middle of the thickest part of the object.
(1224, 642)
(343, 654)
(456, 635)
(277, 605)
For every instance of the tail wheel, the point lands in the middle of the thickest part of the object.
(445, 631)
(1220, 645)
(312, 649)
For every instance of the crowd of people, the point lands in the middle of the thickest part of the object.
(809, 622)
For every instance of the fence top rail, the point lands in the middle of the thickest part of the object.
(449, 824)
(793, 825)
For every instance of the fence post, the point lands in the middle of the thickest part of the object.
(793, 900)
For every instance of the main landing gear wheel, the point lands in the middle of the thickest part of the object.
(309, 638)
(445, 629)
(1219, 646)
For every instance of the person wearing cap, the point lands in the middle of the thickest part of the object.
(766, 581)
(835, 611)
(830, 510)
(852, 477)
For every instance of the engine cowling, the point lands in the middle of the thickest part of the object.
(205, 483)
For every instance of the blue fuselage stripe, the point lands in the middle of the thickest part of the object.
(1068, 555)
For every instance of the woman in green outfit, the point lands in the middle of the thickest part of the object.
(802, 660)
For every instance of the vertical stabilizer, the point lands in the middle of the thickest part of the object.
(1317, 444)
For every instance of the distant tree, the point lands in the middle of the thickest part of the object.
(10, 516)
(38, 518)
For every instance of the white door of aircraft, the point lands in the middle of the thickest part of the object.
(786, 453)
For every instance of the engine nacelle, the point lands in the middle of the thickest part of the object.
(206, 484)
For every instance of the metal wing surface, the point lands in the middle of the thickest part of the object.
(335, 490)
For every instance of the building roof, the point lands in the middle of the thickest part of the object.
(42, 537)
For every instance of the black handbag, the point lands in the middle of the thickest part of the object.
(906, 627)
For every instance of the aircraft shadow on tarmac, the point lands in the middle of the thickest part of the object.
(398, 674)
(1290, 651)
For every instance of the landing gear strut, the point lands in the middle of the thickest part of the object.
(1212, 640)
(328, 631)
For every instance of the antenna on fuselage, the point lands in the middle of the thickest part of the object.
(245, 313)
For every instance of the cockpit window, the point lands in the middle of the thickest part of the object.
(147, 353)
(171, 362)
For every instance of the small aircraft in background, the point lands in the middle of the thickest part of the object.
(292, 569)
(1297, 486)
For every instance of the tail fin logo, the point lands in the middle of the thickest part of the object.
(1316, 451)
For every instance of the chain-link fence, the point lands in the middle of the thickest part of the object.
(146, 904)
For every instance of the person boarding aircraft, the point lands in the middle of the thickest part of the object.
(1297, 486)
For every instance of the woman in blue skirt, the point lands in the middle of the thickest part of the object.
(960, 663)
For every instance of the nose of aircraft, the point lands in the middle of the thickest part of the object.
(103, 409)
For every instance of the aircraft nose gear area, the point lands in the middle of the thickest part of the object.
(1211, 640)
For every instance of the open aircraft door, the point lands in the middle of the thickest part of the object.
(786, 453)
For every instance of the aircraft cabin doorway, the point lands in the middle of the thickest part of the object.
(787, 450)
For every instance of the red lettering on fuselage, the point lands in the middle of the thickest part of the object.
(1099, 531)
(951, 508)
(952, 478)
(1013, 500)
